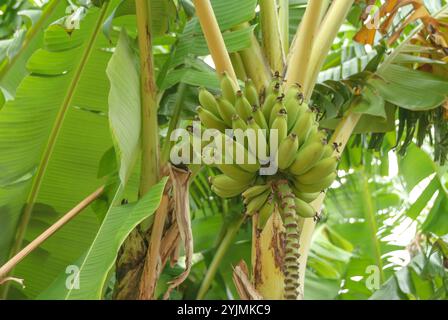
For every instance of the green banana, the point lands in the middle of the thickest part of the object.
(316, 187)
(274, 86)
(293, 92)
(238, 123)
(226, 193)
(304, 209)
(268, 104)
(242, 106)
(251, 93)
(287, 151)
(235, 172)
(281, 124)
(274, 112)
(259, 147)
(209, 120)
(226, 110)
(307, 197)
(322, 169)
(224, 182)
(292, 108)
(227, 89)
(265, 212)
(208, 101)
(316, 135)
(259, 118)
(256, 203)
(254, 191)
(328, 151)
(252, 140)
(306, 157)
(303, 126)
(237, 149)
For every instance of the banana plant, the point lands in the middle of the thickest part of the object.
(93, 90)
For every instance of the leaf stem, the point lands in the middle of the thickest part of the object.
(224, 246)
(303, 44)
(328, 31)
(215, 40)
(272, 43)
(150, 136)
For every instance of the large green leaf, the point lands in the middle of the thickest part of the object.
(100, 257)
(124, 105)
(52, 137)
(410, 89)
(354, 212)
(12, 69)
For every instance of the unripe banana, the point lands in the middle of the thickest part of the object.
(316, 135)
(256, 203)
(242, 106)
(322, 169)
(265, 212)
(304, 209)
(259, 118)
(228, 92)
(208, 101)
(306, 157)
(307, 197)
(238, 123)
(234, 149)
(235, 172)
(257, 144)
(281, 124)
(251, 93)
(224, 182)
(226, 111)
(274, 86)
(328, 151)
(303, 126)
(209, 120)
(274, 112)
(252, 137)
(293, 92)
(268, 104)
(318, 186)
(226, 193)
(292, 108)
(287, 151)
(254, 191)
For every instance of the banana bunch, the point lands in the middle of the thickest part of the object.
(302, 156)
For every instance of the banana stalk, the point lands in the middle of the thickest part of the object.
(327, 33)
(303, 44)
(291, 255)
(215, 40)
(267, 257)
